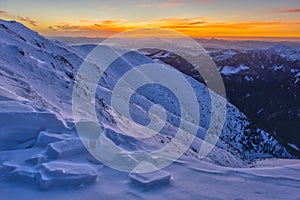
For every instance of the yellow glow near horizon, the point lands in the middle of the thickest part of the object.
(195, 18)
(189, 27)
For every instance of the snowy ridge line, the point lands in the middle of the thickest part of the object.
(42, 148)
(62, 98)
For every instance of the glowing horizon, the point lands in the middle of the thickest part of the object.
(195, 18)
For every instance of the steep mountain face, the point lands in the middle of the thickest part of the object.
(262, 83)
(36, 69)
(268, 91)
(37, 77)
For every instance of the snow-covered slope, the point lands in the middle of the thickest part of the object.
(40, 146)
(258, 82)
(35, 68)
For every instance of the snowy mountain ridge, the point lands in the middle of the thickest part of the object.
(37, 77)
(274, 70)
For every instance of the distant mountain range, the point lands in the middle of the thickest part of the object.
(207, 43)
(262, 83)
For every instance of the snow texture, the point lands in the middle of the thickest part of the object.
(40, 148)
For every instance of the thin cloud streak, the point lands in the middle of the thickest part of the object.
(287, 11)
(25, 20)
(2, 12)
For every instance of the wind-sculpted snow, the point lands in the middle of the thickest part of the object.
(53, 66)
(40, 147)
(59, 174)
(151, 179)
(21, 124)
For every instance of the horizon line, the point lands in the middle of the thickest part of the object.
(228, 38)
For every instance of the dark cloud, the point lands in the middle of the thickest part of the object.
(52, 28)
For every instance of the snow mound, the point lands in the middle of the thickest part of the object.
(150, 180)
(22, 174)
(23, 124)
(65, 149)
(63, 174)
(45, 138)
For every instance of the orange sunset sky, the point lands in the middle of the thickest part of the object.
(195, 18)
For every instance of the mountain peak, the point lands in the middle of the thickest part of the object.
(281, 48)
(15, 33)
